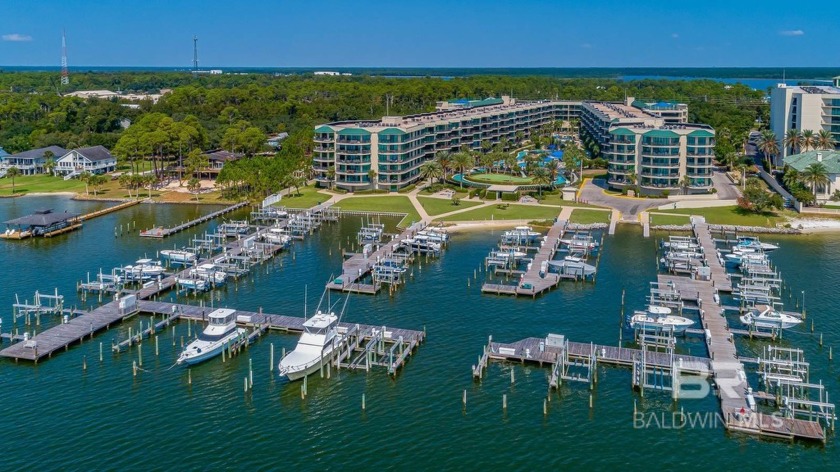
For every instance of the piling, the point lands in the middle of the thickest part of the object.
(246, 384)
(821, 343)
(545, 407)
(157, 351)
(189, 376)
(84, 363)
(134, 368)
(100, 351)
(250, 373)
(140, 354)
(512, 376)
(464, 399)
(363, 402)
(504, 401)
(271, 359)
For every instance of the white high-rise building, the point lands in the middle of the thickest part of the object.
(803, 108)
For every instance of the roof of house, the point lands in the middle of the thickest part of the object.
(830, 159)
(36, 153)
(95, 153)
(222, 155)
(42, 218)
(3, 153)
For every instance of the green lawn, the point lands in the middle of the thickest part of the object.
(385, 203)
(731, 215)
(493, 178)
(308, 198)
(585, 217)
(677, 220)
(512, 212)
(436, 206)
(40, 183)
(558, 200)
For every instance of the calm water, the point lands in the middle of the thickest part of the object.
(60, 417)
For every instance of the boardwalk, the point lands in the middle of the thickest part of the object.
(537, 279)
(358, 265)
(161, 233)
(105, 211)
(720, 280)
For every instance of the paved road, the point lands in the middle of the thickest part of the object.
(726, 190)
(593, 193)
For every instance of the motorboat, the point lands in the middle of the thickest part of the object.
(580, 243)
(277, 236)
(143, 269)
(210, 273)
(182, 257)
(314, 348)
(420, 245)
(573, 265)
(371, 233)
(220, 332)
(193, 283)
(754, 242)
(765, 316)
(751, 257)
(520, 235)
(233, 228)
(659, 317)
(435, 235)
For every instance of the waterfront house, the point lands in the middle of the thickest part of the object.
(831, 161)
(96, 160)
(33, 161)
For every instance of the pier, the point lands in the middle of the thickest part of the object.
(105, 211)
(160, 233)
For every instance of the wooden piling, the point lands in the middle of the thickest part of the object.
(504, 401)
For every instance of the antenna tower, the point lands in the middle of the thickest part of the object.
(195, 55)
(65, 75)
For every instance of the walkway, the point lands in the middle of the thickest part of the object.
(593, 193)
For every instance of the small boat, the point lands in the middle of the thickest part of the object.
(233, 228)
(754, 242)
(573, 265)
(751, 257)
(314, 348)
(219, 333)
(184, 257)
(578, 243)
(765, 316)
(210, 273)
(277, 236)
(193, 283)
(420, 245)
(659, 317)
(435, 235)
(143, 269)
(520, 235)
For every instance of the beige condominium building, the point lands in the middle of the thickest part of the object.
(387, 153)
(803, 108)
(658, 152)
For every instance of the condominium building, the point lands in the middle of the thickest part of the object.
(803, 108)
(388, 153)
(653, 143)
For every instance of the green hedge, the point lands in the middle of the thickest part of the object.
(510, 197)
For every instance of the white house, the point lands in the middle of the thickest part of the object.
(96, 160)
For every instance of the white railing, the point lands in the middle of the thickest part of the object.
(71, 175)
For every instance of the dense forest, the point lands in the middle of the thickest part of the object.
(34, 114)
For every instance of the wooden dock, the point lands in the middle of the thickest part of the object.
(359, 265)
(160, 233)
(105, 211)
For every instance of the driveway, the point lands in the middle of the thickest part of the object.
(593, 193)
(726, 190)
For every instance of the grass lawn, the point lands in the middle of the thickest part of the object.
(385, 203)
(436, 206)
(493, 178)
(40, 183)
(558, 200)
(678, 220)
(731, 215)
(585, 217)
(308, 198)
(512, 212)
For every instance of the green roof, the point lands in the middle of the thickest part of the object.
(702, 133)
(324, 129)
(622, 132)
(831, 160)
(661, 133)
(354, 132)
(388, 131)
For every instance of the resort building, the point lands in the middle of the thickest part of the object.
(96, 160)
(32, 162)
(388, 153)
(831, 161)
(803, 108)
(650, 144)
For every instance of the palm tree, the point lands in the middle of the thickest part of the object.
(768, 145)
(194, 185)
(511, 163)
(815, 176)
(486, 146)
(541, 177)
(631, 179)
(520, 136)
(825, 140)
(462, 160)
(372, 177)
(331, 175)
(553, 168)
(487, 160)
(49, 161)
(12, 172)
(85, 177)
(809, 139)
(685, 182)
(793, 140)
(791, 178)
(431, 170)
(444, 158)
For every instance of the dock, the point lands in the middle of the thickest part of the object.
(105, 211)
(358, 265)
(160, 233)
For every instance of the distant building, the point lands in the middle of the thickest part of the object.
(96, 160)
(326, 72)
(803, 108)
(651, 141)
(394, 147)
(32, 162)
(217, 159)
(86, 94)
(831, 161)
(131, 97)
(275, 139)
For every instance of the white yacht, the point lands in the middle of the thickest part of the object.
(219, 333)
(233, 228)
(739, 258)
(420, 245)
(754, 243)
(659, 317)
(277, 236)
(314, 348)
(143, 269)
(765, 316)
(520, 235)
(183, 257)
(209, 273)
(193, 283)
(435, 235)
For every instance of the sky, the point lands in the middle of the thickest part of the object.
(421, 33)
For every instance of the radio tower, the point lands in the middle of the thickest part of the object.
(195, 55)
(65, 75)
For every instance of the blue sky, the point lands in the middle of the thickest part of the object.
(421, 33)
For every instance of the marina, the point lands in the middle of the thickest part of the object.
(160, 232)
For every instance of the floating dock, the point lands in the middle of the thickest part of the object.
(161, 233)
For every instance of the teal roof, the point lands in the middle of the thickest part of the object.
(477, 103)
(661, 133)
(702, 133)
(324, 129)
(354, 132)
(622, 132)
(831, 160)
(388, 131)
